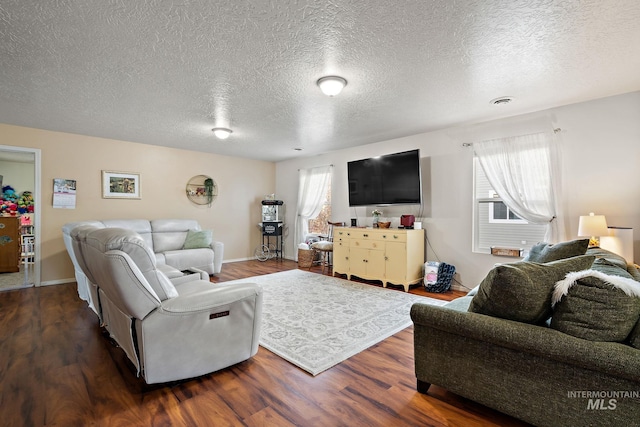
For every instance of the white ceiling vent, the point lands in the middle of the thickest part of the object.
(502, 100)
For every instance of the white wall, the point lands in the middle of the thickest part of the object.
(600, 149)
(18, 175)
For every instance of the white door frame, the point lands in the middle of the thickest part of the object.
(37, 153)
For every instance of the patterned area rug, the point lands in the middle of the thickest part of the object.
(316, 322)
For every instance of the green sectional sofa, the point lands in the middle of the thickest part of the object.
(548, 364)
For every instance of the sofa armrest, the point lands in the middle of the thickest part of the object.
(218, 254)
(616, 359)
(217, 295)
(202, 331)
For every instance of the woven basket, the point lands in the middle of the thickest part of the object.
(305, 258)
(445, 276)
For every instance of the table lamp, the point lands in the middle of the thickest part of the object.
(593, 226)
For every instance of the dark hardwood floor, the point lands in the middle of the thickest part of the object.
(57, 369)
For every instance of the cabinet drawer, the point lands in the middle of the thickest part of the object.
(367, 235)
(394, 236)
(360, 234)
(341, 233)
(367, 244)
(340, 244)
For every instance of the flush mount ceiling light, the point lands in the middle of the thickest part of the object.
(331, 85)
(502, 100)
(221, 133)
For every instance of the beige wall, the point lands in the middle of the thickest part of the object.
(600, 154)
(233, 216)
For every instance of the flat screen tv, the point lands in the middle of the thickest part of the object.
(392, 179)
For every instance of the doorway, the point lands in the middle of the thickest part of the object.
(20, 168)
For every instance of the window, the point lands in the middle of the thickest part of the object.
(319, 223)
(495, 224)
(312, 195)
(499, 212)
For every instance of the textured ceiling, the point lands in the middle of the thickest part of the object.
(165, 72)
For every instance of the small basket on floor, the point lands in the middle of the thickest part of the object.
(443, 282)
(305, 258)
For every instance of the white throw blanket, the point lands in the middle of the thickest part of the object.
(628, 286)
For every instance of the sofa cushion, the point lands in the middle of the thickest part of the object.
(546, 252)
(131, 243)
(186, 258)
(170, 234)
(459, 304)
(596, 306)
(607, 267)
(609, 256)
(198, 239)
(169, 271)
(140, 226)
(521, 291)
(634, 337)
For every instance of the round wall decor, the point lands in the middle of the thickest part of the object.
(202, 190)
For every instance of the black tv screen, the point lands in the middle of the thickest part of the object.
(393, 179)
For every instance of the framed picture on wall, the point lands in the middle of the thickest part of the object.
(120, 185)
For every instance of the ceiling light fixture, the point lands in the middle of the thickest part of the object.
(222, 133)
(331, 85)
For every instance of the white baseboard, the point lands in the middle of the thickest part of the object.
(224, 261)
(250, 259)
(57, 282)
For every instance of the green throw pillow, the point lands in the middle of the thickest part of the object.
(609, 268)
(521, 291)
(546, 252)
(198, 239)
(595, 307)
(609, 256)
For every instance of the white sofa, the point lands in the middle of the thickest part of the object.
(169, 332)
(166, 238)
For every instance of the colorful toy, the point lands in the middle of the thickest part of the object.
(8, 193)
(12, 204)
(25, 202)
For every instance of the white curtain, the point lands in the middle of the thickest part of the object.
(312, 191)
(524, 171)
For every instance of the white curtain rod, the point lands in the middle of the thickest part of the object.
(470, 144)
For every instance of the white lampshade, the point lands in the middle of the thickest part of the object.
(619, 241)
(221, 133)
(592, 225)
(331, 85)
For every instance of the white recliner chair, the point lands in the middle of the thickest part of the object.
(169, 332)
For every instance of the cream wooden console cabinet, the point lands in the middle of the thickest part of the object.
(390, 255)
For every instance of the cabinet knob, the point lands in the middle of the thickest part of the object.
(395, 237)
(384, 236)
(365, 235)
(386, 258)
